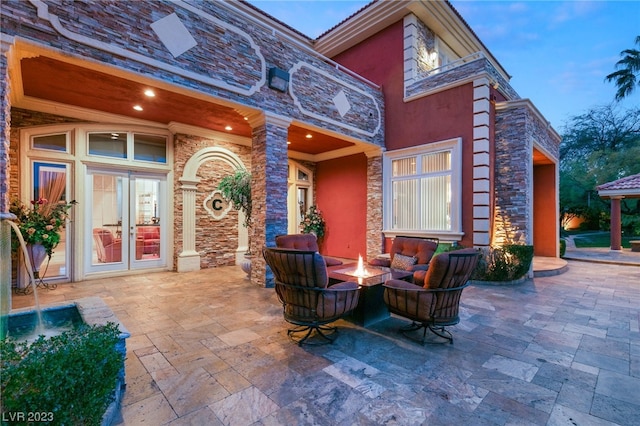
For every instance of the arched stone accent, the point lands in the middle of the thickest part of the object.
(189, 258)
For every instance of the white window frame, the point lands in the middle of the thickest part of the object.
(455, 147)
(445, 53)
(293, 183)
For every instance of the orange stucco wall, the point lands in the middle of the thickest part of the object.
(545, 219)
(341, 195)
(441, 116)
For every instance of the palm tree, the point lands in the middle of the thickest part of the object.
(628, 71)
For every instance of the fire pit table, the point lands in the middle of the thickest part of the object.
(371, 307)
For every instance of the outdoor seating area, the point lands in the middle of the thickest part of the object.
(208, 347)
(301, 283)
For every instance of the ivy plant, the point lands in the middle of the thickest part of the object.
(236, 188)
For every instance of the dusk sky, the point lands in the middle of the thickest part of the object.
(557, 52)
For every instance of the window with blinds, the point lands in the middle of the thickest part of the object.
(421, 189)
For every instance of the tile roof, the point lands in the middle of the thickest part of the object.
(629, 183)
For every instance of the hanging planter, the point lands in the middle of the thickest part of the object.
(236, 188)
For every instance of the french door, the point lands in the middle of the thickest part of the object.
(125, 230)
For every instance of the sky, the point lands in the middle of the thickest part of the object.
(557, 52)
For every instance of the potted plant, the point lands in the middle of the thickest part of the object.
(236, 188)
(40, 226)
(313, 222)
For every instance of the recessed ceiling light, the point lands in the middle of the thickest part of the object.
(228, 128)
(309, 136)
(150, 93)
(137, 107)
(288, 142)
(246, 118)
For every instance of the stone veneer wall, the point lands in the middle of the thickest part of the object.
(518, 130)
(216, 240)
(5, 120)
(513, 178)
(269, 190)
(375, 237)
(419, 46)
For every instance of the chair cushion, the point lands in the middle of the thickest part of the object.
(297, 242)
(338, 299)
(422, 249)
(403, 262)
(408, 300)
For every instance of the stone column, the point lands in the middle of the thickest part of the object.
(189, 258)
(5, 124)
(375, 239)
(616, 226)
(5, 229)
(268, 188)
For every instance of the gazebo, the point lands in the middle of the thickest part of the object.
(627, 187)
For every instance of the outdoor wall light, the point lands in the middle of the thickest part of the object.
(278, 79)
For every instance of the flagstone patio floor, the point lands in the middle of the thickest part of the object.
(209, 348)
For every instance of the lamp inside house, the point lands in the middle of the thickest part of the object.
(278, 79)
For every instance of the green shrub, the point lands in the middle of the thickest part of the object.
(506, 263)
(563, 247)
(72, 376)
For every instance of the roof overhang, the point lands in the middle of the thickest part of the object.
(620, 193)
(439, 16)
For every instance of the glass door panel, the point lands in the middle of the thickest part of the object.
(50, 182)
(108, 200)
(147, 231)
(125, 221)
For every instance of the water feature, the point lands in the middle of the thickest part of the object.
(29, 323)
(51, 321)
(39, 323)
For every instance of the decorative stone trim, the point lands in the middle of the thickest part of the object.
(481, 163)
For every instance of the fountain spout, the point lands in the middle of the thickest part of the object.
(6, 226)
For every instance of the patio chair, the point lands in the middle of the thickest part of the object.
(301, 281)
(409, 253)
(304, 242)
(434, 304)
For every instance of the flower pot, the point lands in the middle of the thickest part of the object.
(37, 253)
(245, 265)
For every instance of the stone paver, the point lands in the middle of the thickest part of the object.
(208, 347)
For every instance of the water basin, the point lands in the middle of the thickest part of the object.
(55, 320)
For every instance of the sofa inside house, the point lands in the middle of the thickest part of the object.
(150, 236)
(109, 247)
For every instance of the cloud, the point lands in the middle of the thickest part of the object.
(572, 10)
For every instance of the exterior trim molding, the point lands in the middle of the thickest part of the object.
(481, 163)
